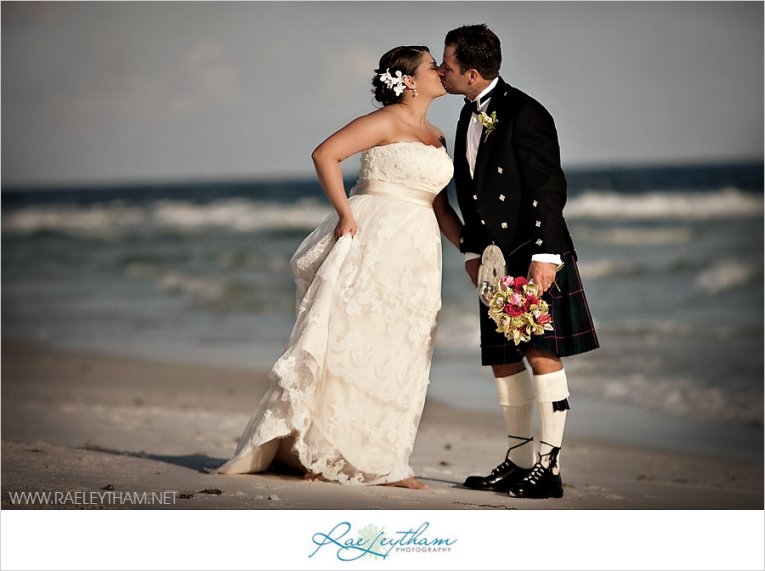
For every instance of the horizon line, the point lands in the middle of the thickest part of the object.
(200, 180)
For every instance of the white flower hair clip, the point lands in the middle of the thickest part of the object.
(394, 82)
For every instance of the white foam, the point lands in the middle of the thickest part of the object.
(112, 220)
(602, 268)
(727, 203)
(208, 289)
(681, 397)
(116, 219)
(102, 221)
(636, 236)
(239, 215)
(724, 275)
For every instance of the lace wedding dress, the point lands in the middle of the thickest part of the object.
(347, 394)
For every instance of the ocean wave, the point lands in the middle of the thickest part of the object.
(724, 275)
(682, 397)
(224, 293)
(641, 374)
(726, 203)
(604, 268)
(118, 218)
(636, 236)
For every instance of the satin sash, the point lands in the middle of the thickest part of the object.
(394, 191)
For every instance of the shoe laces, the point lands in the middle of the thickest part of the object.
(525, 439)
(535, 475)
(506, 464)
(539, 469)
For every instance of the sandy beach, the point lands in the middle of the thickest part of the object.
(80, 422)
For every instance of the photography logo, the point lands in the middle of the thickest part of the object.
(375, 542)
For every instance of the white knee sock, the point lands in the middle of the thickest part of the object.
(516, 397)
(551, 387)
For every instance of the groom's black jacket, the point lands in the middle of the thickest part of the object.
(517, 196)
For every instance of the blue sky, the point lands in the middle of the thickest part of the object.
(114, 92)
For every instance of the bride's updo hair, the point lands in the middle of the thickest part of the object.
(405, 59)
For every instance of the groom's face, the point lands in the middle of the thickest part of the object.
(452, 78)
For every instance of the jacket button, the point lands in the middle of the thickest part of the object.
(534, 204)
(475, 197)
(539, 242)
(499, 170)
(504, 225)
(538, 223)
(502, 197)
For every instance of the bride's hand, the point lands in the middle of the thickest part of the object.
(347, 225)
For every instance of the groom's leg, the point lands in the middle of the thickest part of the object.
(553, 403)
(552, 396)
(516, 393)
(544, 480)
(515, 389)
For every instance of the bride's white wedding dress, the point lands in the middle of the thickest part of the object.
(347, 394)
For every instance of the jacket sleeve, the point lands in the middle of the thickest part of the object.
(538, 155)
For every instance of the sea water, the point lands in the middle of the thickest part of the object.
(671, 259)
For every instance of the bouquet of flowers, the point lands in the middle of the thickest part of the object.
(518, 310)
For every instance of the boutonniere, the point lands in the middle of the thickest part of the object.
(489, 122)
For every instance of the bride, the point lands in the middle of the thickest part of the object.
(347, 394)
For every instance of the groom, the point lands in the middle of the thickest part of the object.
(511, 192)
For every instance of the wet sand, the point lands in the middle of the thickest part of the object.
(79, 422)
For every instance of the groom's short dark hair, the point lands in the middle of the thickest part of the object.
(476, 47)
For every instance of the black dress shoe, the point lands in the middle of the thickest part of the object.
(502, 477)
(540, 483)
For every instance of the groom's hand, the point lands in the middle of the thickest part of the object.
(471, 267)
(543, 274)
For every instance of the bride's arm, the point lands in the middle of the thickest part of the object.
(358, 135)
(448, 221)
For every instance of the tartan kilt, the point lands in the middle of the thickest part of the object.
(573, 331)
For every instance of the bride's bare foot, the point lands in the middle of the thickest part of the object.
(412, 483)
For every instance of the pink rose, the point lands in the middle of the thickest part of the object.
(516, 299)
(544, 319)
(507, 281)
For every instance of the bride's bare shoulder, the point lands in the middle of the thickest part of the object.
(380, 125)
(380, 119)
(383, 117)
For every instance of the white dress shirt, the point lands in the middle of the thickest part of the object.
(474, 132)
(475, 129)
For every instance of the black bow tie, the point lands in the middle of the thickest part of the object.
(481, 100)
